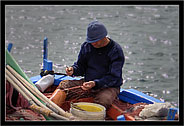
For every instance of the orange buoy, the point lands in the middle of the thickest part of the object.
(58, 97)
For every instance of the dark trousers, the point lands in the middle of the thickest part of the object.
(106, 96)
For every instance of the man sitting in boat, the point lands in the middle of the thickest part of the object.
(100, 61)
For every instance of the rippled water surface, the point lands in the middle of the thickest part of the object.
(147, 34)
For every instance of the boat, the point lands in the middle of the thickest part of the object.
(127, 107)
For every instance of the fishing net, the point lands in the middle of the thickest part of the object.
(132, 110)
(25, 114)
(73, 92)
(14, 100)
(17, 106)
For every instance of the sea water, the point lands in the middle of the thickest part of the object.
(148, 35)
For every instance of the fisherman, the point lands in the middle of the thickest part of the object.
(100, 61)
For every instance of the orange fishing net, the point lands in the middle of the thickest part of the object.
(74, 90)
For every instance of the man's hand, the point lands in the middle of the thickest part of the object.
(69, 71)
(88, 85)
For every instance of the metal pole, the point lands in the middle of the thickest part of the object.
(45, 51)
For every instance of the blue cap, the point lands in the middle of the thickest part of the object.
(95, 32)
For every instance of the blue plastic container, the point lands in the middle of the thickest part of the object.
(121, 118)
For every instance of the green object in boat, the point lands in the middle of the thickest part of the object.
(11, 62)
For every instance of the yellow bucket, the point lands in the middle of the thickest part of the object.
(88, 111)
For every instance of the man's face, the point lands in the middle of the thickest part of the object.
(98, 44)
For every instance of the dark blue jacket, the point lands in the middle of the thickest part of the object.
(102, 65)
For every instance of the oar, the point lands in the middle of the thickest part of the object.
(33, 106)
(37, 93)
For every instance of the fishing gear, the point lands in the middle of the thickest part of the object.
(41, 96)
(31, 98)
(58, 97)
(46, 72)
